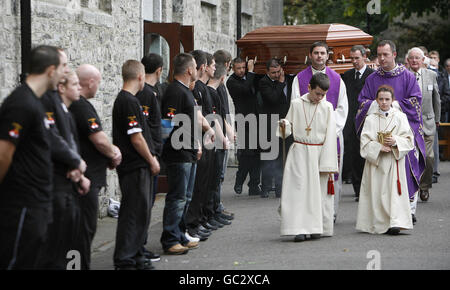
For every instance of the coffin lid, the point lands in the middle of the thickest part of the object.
(305, 33)
(292, 44)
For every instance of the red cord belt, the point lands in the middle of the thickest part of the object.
(308, 144)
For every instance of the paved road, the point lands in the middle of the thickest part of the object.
(252, 242)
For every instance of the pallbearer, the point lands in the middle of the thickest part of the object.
(306, 201)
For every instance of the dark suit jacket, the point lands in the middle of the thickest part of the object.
(243, 93)
(274, 100)
(444, 91)
(353, 87)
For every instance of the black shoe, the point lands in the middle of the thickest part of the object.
(435, 179)
(300, 238)
(238, 188)
(214, 222)
(199, 236)
(424, 195)
(151, 256)
(203, 230)
(222, 220)
(315, 236)
(357, 199)
(145, 265)
(254, 191)
(264, 194)
(225, 216)
(348, 181)
(210, 226)
(393, 231)
(414, 220)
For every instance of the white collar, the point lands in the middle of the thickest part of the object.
(314, 71)
(361, 71)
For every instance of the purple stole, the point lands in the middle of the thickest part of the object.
(304, 77)
(335, 84)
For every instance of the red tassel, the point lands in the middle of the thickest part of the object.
(399, 186)
(330, 185)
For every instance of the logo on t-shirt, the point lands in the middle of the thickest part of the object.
(145, 110)
(94, 124)
(171, 113)
(50, 119)
(15, 132)
(133, 121)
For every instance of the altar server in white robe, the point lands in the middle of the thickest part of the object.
(384, 201)
(306, 206)
(336, 95)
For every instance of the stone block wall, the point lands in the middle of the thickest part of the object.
(106, 33)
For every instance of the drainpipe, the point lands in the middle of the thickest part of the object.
(25, 36)
(238, 22)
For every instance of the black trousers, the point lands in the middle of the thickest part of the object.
(201, 195)
(213, 196)
(88, 225)
(23, 233)
(355, 161)
(249, 163)
(63, 230)
(134, 217)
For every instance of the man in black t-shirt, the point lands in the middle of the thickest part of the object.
(25, 163)
(223, 60)
(214, 209)
(62, 230)
(132, 135)
(181, 152)
(97, 151)
(150, 99)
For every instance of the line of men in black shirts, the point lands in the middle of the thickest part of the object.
(54, 155)
(53, 160)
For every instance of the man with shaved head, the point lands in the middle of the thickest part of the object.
(97, 151)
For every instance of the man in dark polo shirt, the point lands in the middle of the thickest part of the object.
(150, 98)
(25, 163)
(181, 162)
(97, 151)
(132, 135)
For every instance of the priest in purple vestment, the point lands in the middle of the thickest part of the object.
(409, 96)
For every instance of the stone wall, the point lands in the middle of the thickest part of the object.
(106, 33)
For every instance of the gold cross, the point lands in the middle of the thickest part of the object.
(307, 130)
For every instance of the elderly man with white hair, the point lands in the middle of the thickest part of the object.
(431, 113)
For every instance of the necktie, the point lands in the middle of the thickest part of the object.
(358, 75)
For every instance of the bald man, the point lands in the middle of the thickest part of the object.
(97, 151)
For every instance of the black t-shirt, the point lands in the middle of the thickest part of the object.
(63, 140)
(128, 119)
(88, 122)
(178, 99)
(151, 109)
(203, 97)
(28, 182)
(217, 106)
(222, 90)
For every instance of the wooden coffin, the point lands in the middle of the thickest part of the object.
(291, 44)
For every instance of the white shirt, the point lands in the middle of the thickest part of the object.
(361, 71)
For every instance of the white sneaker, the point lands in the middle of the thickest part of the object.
(191, 239)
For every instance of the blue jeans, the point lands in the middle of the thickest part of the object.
(180, 178)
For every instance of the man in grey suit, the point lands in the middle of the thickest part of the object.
(431, 113)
